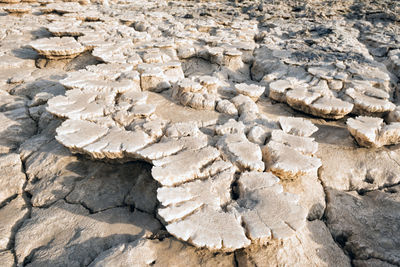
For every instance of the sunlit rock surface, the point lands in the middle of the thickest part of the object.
(210, 133)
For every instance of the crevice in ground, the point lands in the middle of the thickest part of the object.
(235, 260)
(340, 244)
(27, 198)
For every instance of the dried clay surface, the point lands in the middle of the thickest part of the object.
(199, 133)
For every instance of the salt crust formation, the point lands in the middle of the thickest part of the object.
(108, 117)
(373, 132)
(140, 81)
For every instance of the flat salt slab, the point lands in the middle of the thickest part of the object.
(215, 230)
(277, 90)
(63, 7)
(240, 151)
(330, 108)
(118, 144)
(77, 105)
(56, 47)
(288, 163)
(230, 127)
(18, 8)
(76, 134)
(304, 145)
(244, 104)
(368, 105)
(251, 90)
(297, 126)
(184, 166)
(394, 115)
(268, 212)
(185, 199)
(87, 80)
(373, 132)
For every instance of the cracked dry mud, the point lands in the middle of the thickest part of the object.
(194, 133)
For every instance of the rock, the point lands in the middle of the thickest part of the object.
(184, 166)
(366, 224)
(245, 155)
(244, 104)
(185, 205)
(12, 215)
(372, 132)
(17, 8)
(312, 246)
(297, 126)
(371, 263)
(230, 127)
(266, 211)
(105, 187)
(194, 95)
(12, 178)
(251, 90)
(222, 232)
(291, 156)
(94, 82)
(225, 106)
(143, 195)
(311, 194)
(63, 7)
(154, 80)
(15, 127)
(369, 105)
(259, 134)
(77, 237)
(158, 253)
(7, 258)
(393, 116)
(77, 105)
(357, 168)
(52, 172)
(57, 48)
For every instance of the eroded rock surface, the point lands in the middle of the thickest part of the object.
(238, 110)
(313, 246)
(373, 132)
(144, 252)
(71, 235)
(366, 224)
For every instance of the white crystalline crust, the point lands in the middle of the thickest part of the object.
(373, 132)
(56, 47)
(218, 161)
(195, 176)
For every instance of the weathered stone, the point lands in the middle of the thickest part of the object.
(251, 90)
(7, 258)
(297, 126)
(366, 224)
(17, 8)
(312, 246)
(57, 48)
(158, 253)
(105, 187)
(143, 195)
(11, 217)
(227, 107)
(93, 233)
(184, 166)
(244, 154)
(12, 178)
(15, 127)
(372, 132)
(266, 211)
